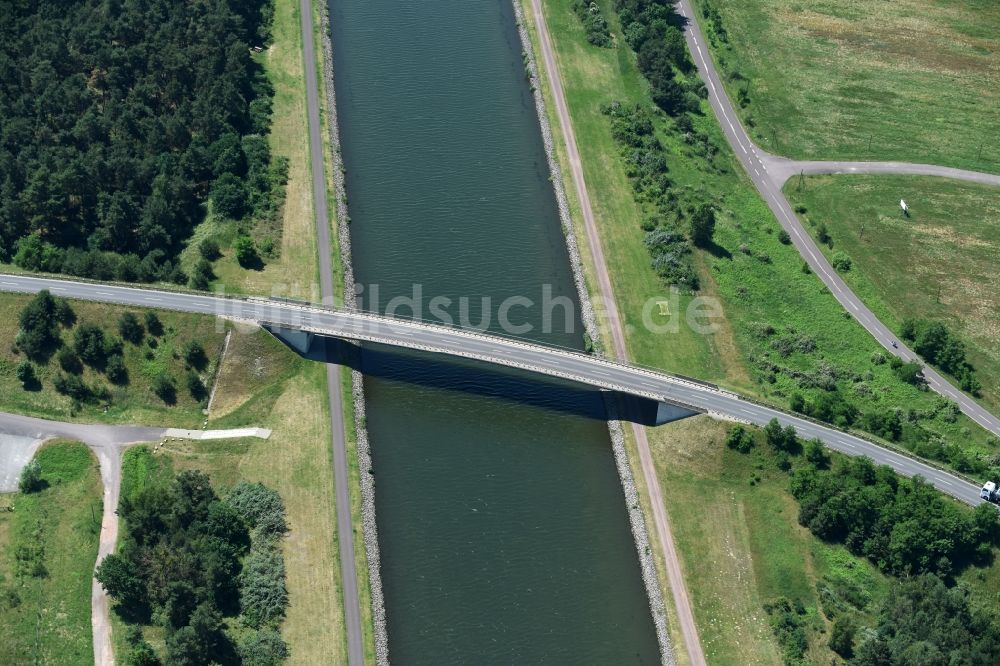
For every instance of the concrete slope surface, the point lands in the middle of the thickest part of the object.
(768, 173)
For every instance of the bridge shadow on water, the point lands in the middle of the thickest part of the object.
(451, 373)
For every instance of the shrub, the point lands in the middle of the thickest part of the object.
(30, 480)
(784, 238)
(739, 439)
(593, 21)
(264, 647)
(260, 507)
(841, 262)
(263, 595)
(703, 225)
(25, 373)
(842, 636)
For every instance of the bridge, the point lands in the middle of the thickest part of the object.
(678, 396)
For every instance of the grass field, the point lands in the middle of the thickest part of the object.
(295, 461)
(593, 77)
(942, 263)
(133, 402)
(758, 280)
(46, 618)
(913, 80)
(293, 273)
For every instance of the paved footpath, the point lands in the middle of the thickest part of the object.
(769, 173)
(661, 523)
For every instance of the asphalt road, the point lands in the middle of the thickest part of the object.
(780, 169)
(551, 361)
(338, 443)
(661, 522)
(769, 173)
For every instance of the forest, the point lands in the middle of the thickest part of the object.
(208, 570)
(119, 120)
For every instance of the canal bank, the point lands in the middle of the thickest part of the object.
(501, 520)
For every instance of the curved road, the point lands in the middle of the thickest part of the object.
(769, 173)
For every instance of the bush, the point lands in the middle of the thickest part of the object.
(841, 262)
(260, 507)
(25, 373)
(263, 595)
(784, 238)
(823, 235)
(72, 386)
(202, 275)
(263, 648)
(739, 439)
(593, 22)
(911, 373)
(30, 480)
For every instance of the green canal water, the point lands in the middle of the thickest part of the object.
(502, 525)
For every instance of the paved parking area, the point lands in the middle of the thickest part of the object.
(15, 452)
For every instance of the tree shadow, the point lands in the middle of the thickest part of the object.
(717, 250)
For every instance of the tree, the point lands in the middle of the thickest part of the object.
(194, 355)
(164, 388)
(841, 262)
(823, 235)
(69, 361)
(816, 454)
(120, 578)
(115, 369)
(263, 596)
(153, 324)
(30, 480)
(842, 636)
(196, 387)
(703, 225)
(784, 238)
(40, 320)
(130, 329)
(229, 195)
(246, 252)
(89, 344)
(911, 373)
(202, 275)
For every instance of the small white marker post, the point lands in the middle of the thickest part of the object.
(906, 209)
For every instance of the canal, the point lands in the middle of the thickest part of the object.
(502, 524)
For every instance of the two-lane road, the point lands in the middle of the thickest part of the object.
(545, 360)
(769, 173)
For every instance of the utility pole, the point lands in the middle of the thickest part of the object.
(802, 177)
(979, 153)
(870, 137)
